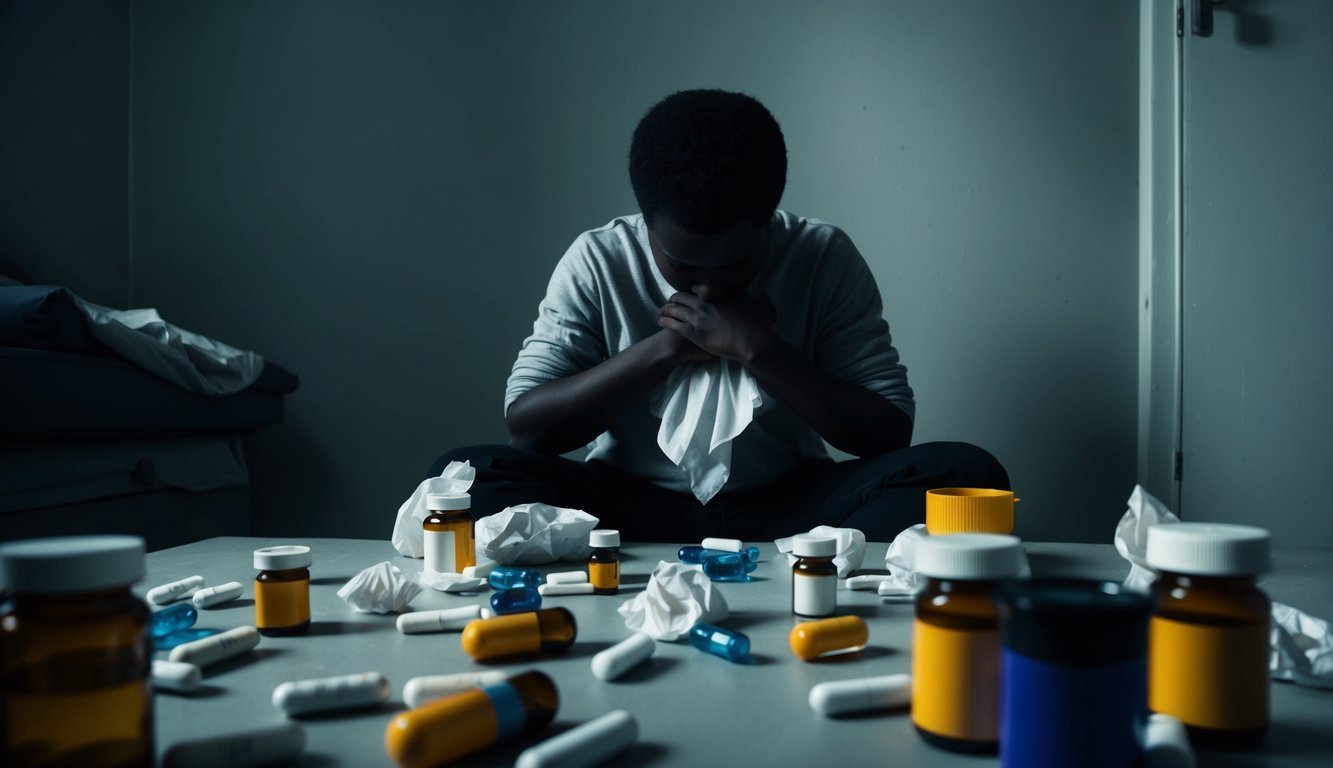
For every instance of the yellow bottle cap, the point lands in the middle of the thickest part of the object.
(969, 510)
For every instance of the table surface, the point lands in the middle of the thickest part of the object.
(693, 708)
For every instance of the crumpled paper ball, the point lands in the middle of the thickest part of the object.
(381, 588)
(407, 536)
(851, 547)
(677, 597)
(1301, 648)
(534, 534)
(451, 582)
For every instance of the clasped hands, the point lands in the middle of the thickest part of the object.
(703, 330)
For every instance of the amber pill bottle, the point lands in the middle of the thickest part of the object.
(604, 562)
(448, 536)
(74, 654)
(282, 590)
(956, 639)
(1208, 638)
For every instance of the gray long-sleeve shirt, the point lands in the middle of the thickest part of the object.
(604, 296)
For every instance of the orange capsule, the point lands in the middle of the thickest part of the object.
(812, 639)
(520, 634)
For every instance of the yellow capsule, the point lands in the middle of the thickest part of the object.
(520, 634)
(812, 639)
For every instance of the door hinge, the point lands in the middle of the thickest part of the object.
(1180, 465)
(1180, 21)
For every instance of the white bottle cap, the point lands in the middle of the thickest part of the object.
(969, 556)
(69, 564)
(282, 558)
(810, 545)
(448, 501)
(604, 537)
(1208, 549)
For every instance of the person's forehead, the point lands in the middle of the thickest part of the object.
(727, 248)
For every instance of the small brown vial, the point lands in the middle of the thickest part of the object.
(604, 563)
(447, 533)
(74, 654)
(282, 590)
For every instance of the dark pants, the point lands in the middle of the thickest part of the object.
(879, 496)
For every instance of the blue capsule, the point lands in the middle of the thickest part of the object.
(695, 554)
(505, 577)
(518, 600)
(167, 642)
(710, 638)
(728, 566)
(173, 618)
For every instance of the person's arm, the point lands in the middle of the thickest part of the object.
(847, 415)
(568, 413)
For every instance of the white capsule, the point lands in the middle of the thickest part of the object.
(588, 744)
(487, 613)
(442, 620)
(215, 648)
(223, 593)
(870, 582)
(1167, 744)
(175, 590)
(896, 593)
(726, 545)
(428, 688)
(842, 696)
(244, 749)
(551, 590)
(567, 577)
(623, 656)
(480, 570)
(321, 694)
(175, 676)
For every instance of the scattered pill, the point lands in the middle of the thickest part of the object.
(443, 620)
(589, 744)
(182, 636)
(871, 582)
(548, 631)
(219, 647)
(519, 600)
(552, 590)
(729, 566)
(243, 749)
(728, 644)
(505, 577)
(695, 554)
(623, 656)
(1167, 743)
(861, 694)
(458, 725)
(479, 571)
(322, 694)
(728, 545)
(896, 593)
(223, 593)
(173, 618)
(175, 590)
(567, 577)
(843, 634)
(175, 676)
(428, 688)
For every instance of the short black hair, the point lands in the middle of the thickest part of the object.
(709, 159)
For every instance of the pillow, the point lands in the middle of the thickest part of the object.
(42, 317)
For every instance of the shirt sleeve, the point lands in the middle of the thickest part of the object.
(567, 335)
(853, 342)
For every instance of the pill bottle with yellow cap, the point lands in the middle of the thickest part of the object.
(74, 653)
(1208, 637)
(956, 639)
(282, 590)
(447, 533)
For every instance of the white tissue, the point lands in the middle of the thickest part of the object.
(381, 588)
(900, 559)
(1300, 647)
(677, 597)
(532, 534)
(451, 582)
(706, 406)
(851, 547)
(406, 538)
(1131, 535)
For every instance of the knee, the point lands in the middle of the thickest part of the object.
(974, 466)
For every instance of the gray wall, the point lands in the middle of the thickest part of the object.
(373, 194)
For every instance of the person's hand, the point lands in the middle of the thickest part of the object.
(729, 329)
(681, 349)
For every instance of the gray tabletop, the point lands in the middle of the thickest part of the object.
(693, 709)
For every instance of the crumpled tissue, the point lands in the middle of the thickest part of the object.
(533, 534)
(451, 582)
(1300, 645)
(1131, 535)
(676, 598)
(704, 405)
(407, 538)
(381, 588)
(851, 547)
(900, 559)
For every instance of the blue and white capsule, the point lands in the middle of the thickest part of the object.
(719, 641)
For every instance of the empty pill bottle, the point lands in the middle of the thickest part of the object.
(1073, 674)
(447, 533)
(75, 657)
(451, 728)
(551, 630)
(282, 590)
(814, 577)
(1208, 643)
(956, 639)
(604, 562)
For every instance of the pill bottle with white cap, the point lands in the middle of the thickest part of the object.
(1208, 637)
(75, 657)
(814, 577)
(447, 533)
(282, 589)
(956, 639)
(604, 562)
